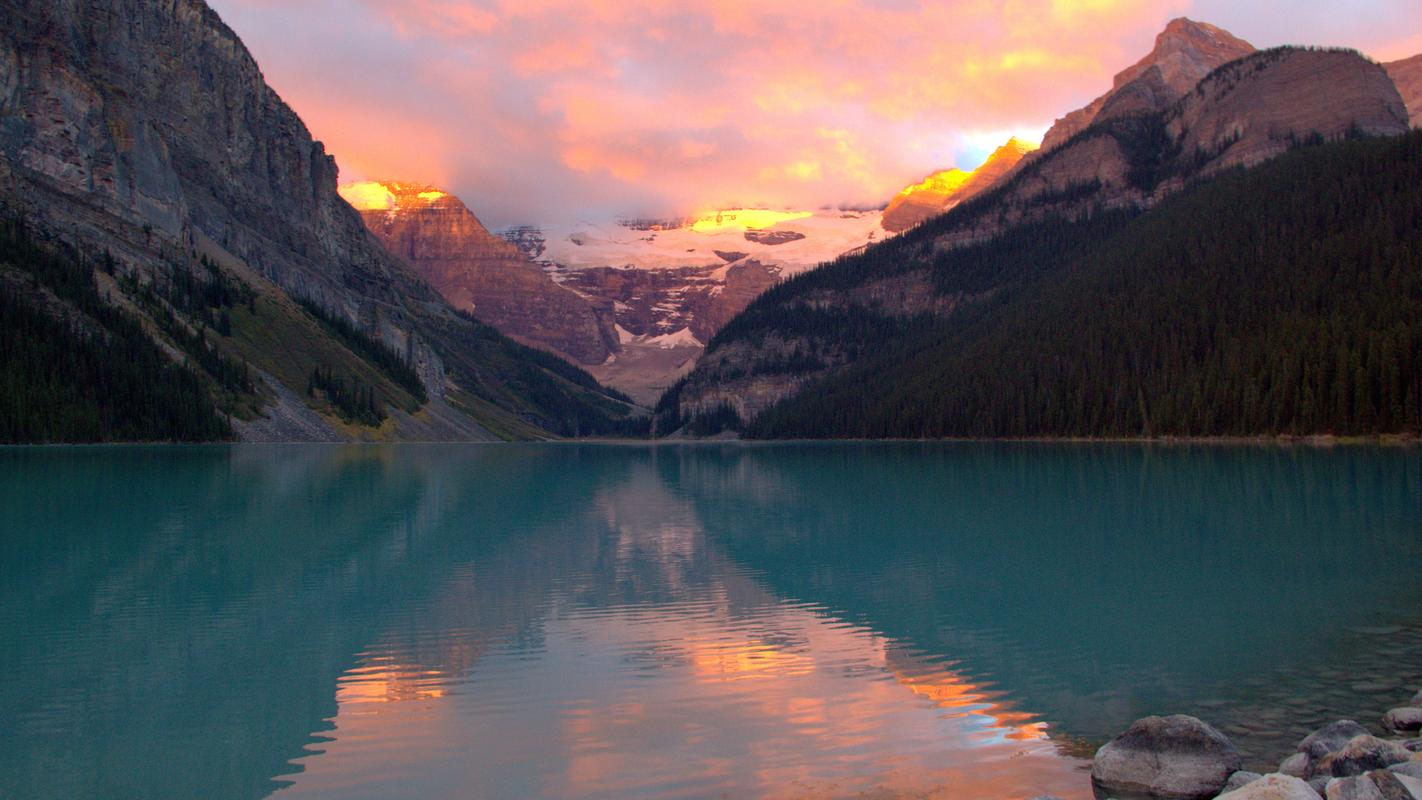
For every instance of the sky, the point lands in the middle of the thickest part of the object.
(556, 111)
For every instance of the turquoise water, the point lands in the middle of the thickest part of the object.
(739, 621)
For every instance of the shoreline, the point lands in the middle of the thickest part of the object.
(1185, 758)
(1320, 442)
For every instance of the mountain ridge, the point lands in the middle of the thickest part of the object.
(1240, 114)
(445, 243)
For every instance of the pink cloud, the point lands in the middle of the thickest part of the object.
(549, 109)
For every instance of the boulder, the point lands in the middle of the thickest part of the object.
(1396, 786)
(1412, 769)
(1167, 758)
(1415, 745)
(1359, 787)
(1319, 783)
(1404, 719)
(1330, 738)
(1295, 765)
(1362, 754)
(1273, 787)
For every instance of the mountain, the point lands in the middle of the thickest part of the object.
(669, 285)
(1185, 52)
(942, 191)
(1407, 74)
(1239, 115)
(479, 272)
(142, 149)
(1283, 300)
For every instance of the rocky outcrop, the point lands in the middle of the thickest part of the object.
(1185, 52)
(1407, 75)
(447, 245)
(1258, 107)
(1172, 758)
(773, 238)
(942, 191)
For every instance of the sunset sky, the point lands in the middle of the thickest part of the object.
(557, 110)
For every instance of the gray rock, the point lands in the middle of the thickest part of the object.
(1363, 754)
(1412, 769)
(1296, 765)
(1404, 719)
(1330, 738)
(1415, 745)
(1241, 779)
(1416, 700)
(1168, 758)
(1320, 784)
(1359, 787)
(1273, 787)
(1396, 786)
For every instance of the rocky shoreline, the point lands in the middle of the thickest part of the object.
(1183, 758)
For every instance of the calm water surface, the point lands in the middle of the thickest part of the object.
(957, 621)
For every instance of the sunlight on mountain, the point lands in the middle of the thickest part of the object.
(368, 196)
(943, 183)
(745, 219)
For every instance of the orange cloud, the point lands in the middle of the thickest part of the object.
(550, 109)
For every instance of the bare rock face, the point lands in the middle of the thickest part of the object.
(1171, 758)
(1185, 52)
(773, 238)
(1258, 107)
(1407, 75)
(942, 191)
(437, 235)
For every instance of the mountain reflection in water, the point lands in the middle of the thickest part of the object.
(581, 621)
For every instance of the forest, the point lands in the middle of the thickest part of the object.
(78, 369)
(1281, 300)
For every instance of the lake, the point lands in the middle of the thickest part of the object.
(516, 621)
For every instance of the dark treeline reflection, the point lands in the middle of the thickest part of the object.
(1095, 584)
(179, 622)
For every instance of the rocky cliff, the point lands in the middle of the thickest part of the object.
(481, 273)
(942, 191)
(145, 130)
(1407, 74)
(1185, 52)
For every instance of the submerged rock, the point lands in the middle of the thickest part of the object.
(1404, 719)
(1272, 787)
(1330, 739)
(1363, 754)
(1168, 758)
